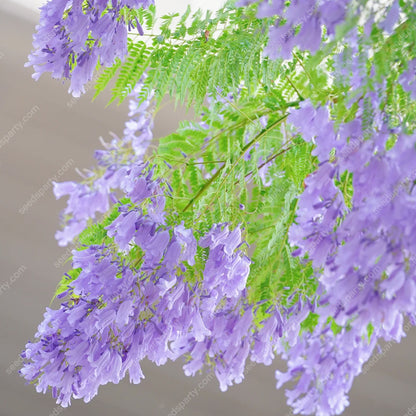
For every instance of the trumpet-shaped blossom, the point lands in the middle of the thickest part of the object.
(73, 36)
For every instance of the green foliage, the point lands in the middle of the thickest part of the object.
(146, 17)
(310, 322)
(95, 233)
(345, 185)
(215, 168)
(66, 280)
(370, 330)
(215, 64)
(196, 55)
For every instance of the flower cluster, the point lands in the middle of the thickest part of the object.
(73, 36)
(149, 290)
(363, 255)
(99, 188)
(118, 313)
(311, 16)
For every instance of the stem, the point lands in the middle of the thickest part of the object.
(293, 86)
(200, 192)
(301, 64)
(267, 161)
(243, 151)
(238, 109)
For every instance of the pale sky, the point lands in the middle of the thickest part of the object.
(163, 6)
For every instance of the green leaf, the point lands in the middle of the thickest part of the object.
(66, 281)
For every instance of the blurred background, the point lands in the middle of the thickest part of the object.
(45, 134)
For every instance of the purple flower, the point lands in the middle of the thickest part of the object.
(123, 228)
(72, 38)
(116, 315)
(391, 18)
(100, 186)
(408, 79)
(360, 255)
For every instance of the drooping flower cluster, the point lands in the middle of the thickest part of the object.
(363, 255)
(73, 36)
(99, 188)
(118, 313)
(324, 366)
(154, 291)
